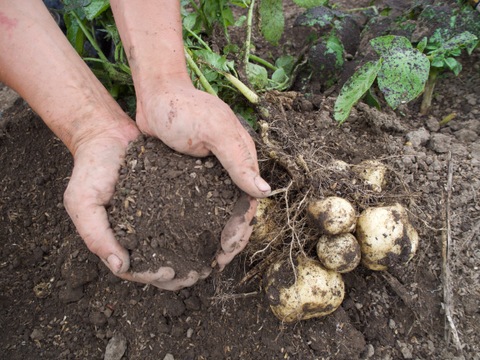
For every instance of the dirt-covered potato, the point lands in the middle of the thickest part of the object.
(339, 253)
(386, 237)
(332, 215)
(313, 292)
(338, 166)
(264, 225)
(372, 172)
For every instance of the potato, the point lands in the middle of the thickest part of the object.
(264, 225)
(315, 292)
(338, 165)
(372, 172)
(386, 237)
(332, 215)
(340, 253)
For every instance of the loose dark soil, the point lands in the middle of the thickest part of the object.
(58, 301)
(169, 209)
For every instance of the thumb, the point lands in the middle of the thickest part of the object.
(236, 152)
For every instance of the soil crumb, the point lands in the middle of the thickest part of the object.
(169, 209)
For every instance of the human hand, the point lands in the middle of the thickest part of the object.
(196, 123)
(91, 186)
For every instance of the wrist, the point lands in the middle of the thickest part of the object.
(120, 129)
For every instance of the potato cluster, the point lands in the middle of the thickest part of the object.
(378, 238)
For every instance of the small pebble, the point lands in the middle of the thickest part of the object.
(37, 335)
(116, 347)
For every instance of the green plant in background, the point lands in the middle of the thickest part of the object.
(232, 69)
(402, 71)
(88, 23)
(221, 71)
(441, 53)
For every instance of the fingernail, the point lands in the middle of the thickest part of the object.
(114, 262)
(262, 185)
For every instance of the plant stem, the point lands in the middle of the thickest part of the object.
(199, 39)
(248, 39)
(203, 80)
(428, 92)
(240, 86)
(374, 8)
(90, 38)
(262, 62)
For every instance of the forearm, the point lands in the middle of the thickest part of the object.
(37, 61)
(151, 32)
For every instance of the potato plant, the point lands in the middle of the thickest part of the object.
(303, 267)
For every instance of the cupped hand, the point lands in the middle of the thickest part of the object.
(91, 186)
(196, 123)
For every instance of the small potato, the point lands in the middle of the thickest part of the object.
(372, 172)
(386, 237)
(314, 292)
(340, 253)
(264, 225)
(332, 215)
(338, 165)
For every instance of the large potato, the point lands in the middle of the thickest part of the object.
(315, 292)
(332, 215)
(340, 253)
(386, 237)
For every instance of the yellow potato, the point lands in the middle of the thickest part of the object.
(315, 291)
(386, 237)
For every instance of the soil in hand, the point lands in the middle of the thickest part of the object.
(169, 209)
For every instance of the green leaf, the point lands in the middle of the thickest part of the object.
(213, 59)
(285, 62)
(190, 20)
(257, 75)
(383, 45)
(355, 88)
(74, 34)
(334, 46)
(453, 65)
(422, 44)
(95, 8)
(272, 20)
(371, 100)
(240, 21)
(464, 40)
(438, 62)
(279, 76)
(403, 75)
(310, 3)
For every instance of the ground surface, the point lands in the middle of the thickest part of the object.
(59, 302)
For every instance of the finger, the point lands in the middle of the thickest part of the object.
(224, 258)
(92, 224)
(178, 284)
(163, 274)
(238, 229)
(235, 149)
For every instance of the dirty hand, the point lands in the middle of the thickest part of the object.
(237, 231)
(91, 186)
(196, 123)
